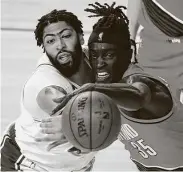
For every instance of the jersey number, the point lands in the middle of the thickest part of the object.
(143, 150)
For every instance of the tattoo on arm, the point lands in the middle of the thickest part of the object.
(45, 98)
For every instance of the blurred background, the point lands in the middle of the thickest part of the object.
(19, 55)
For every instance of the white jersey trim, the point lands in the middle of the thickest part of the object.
(170, 14)
(163, 168)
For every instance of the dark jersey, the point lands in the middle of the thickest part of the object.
(11, 156)
(155, 141)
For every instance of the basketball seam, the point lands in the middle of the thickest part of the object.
(91, 120)
(110, 124)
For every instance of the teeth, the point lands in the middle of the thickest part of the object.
(64, 59)
(103, 74)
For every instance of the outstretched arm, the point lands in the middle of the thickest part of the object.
(130, 97)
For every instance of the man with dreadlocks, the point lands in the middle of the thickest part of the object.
(62, 69)
(151, 119)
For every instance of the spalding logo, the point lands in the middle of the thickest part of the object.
(81, 103)
(82, 128)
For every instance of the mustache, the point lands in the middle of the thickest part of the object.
(64, 51)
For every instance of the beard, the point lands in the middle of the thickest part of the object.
(68, 69)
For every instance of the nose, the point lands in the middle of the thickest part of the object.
(61, 44)
(100, 62)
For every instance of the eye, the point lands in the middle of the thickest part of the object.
(109, 55)
(93, 55)
(50, 41)
(66, 36)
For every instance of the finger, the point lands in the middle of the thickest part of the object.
(46, 120)
(40, 139)
(59, 107)
(56, 143)
(46, 138)
(50, 130)
(46, 125)
(51, 137)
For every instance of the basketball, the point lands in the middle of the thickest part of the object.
(91, 121)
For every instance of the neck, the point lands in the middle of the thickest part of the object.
(83, 75)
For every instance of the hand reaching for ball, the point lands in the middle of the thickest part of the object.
(52, 130)
(64, 100)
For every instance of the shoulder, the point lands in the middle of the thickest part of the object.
(46, 75)
(133, 69)
(44, 85)
(135, 73)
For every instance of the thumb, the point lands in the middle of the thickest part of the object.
(56, 143)
(58, 108)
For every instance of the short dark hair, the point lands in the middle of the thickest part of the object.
(55, 16)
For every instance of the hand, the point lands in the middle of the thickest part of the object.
(52, 130)
(64, 100)
(144, 79)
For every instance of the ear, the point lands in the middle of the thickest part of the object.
(81, 39)
(43, 48)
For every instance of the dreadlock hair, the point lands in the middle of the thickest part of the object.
(112, 19)
(55, 16)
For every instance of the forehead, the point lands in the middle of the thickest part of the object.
(102, 46)
(54, 28)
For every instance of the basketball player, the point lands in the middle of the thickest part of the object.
(62, 69)
(151, 118)
(162, 38)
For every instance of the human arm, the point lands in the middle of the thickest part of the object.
(130, 97)
(40, 90)
(45, 85)
(40, 102)
(50, 128)
(161, 102)
(141, 92)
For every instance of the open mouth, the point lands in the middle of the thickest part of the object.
(64, 58)
(102, 76)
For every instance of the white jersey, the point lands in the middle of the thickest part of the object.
(27, 125)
